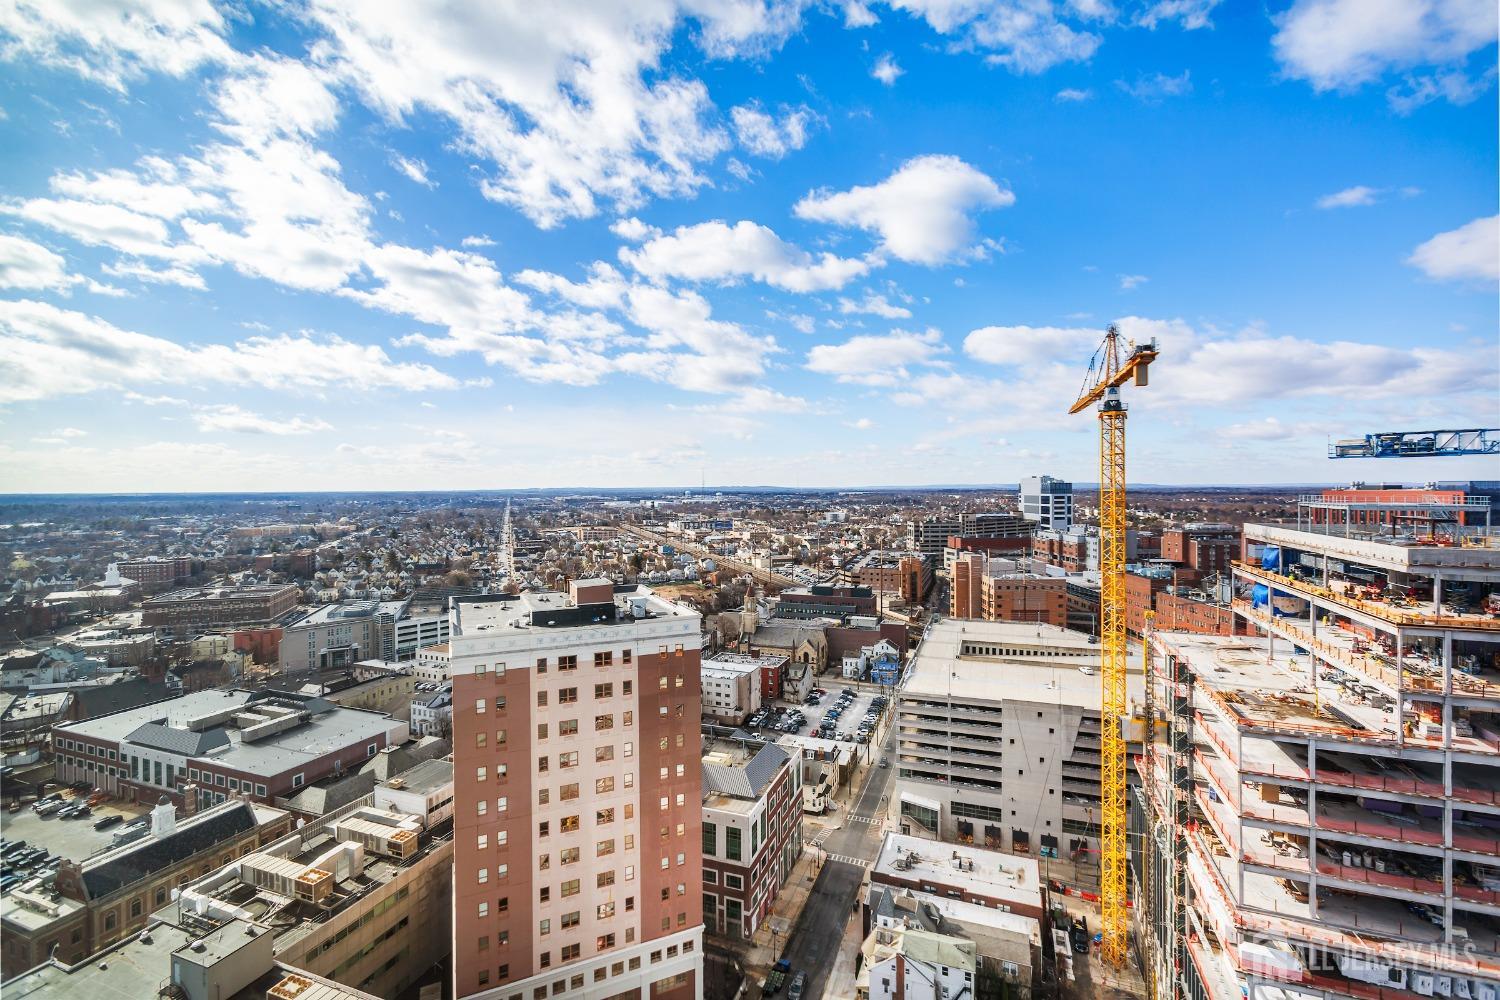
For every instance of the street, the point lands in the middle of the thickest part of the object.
(814, 942)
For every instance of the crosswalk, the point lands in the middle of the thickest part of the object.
(846, 859)
(865, 819)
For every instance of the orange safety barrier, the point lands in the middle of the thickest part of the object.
(1375, 609)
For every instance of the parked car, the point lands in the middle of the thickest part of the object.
(798, 987)
(105, 822)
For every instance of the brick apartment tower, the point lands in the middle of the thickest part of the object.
(578, 791)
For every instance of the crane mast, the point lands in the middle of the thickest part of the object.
(1107, 372)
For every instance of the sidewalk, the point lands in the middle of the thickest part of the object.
(758, 954)
(843, 979)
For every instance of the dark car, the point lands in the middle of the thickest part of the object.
(798, 987)
(104, 823)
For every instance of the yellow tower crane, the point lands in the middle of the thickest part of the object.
(1109, 369)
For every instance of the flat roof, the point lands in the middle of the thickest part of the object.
(984, 872)
(428, 776)
(330, 729)
(1044, 665)
(325, 614)
(472, 615)
(219, 593)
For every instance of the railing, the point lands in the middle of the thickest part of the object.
(1388, 880)
(1374, 609)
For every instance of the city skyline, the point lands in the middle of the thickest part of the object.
(838, 245)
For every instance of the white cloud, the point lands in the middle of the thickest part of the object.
(560, 107)
(443, 287)
(1191, 14)
(874, 305)
(887, 70)
(170, 275)
(762, 134)
(1468, 253)
(801, 322)
(715, 251)
(922, 212)
(477, 242)
(228, 417)
(70, 432)
(1156, 87)
(1342, 44)
(1129, 282)
(96, 224)
(46, 352)
(876, 360)
(115, 42)
(1350, 197)
(1025, 36)
(1028, 345)
(415, 170)
(857, 14)
(1272, 429)
(862, 424)
(28, 265)
(156, 191)
(633, 229)
(1072, 95)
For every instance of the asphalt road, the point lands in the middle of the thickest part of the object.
(813, 944)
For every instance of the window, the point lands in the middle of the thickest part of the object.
(544, 828)
(484, 909)
(604, 880)
(732, 836)
(501, 804)
(541, 730)
(628, 720)
(569, 824)
(625, 658)
(568, 727)
(260, 790)
(482, 842)
(544, 928)
(604, 911)
(603, 754)
(297, 780)
(569, 856)
(543, 796)
(541, 664)
(544, 894)
(571, 951)
(541, 764)
(541, 699)
(629, 750)
(568, 759)
(499, 702)
(504, 905)
(370, 750)
(479, 706)
(567, 663)
(602, 691)
(569, 920)
(568, 792)
(569, 888)
(604, 847)
(604, 941)
(603, 722)
(481, 807)
(499, 738)
(602, 816)
(567, 696)
(661, 682)
(484, 875)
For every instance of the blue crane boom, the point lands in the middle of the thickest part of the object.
(1419, 444)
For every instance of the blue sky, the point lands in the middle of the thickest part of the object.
(347, 246)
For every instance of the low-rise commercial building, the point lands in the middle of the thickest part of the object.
(199, 609)
(335, 636)
(209, 746)
(732, 687)
(752, 831)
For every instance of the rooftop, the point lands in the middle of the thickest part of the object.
(962, 658)
(218, 593)
(977, 870)
(426, 777)
(737, 769)
(350, 610)
(205, 725)
(625, 604)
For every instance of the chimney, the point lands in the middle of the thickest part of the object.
(163, 819)
(189, 798)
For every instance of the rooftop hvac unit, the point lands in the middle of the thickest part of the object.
(389, 841)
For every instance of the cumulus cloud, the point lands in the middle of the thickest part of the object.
(923, 213)
(1468, 253)
(1130, 282)
(876, 360)
(1026, 345)
(1025, 36)
(1191, 14)
(874, 305)
(1344, 44)
(47, 352)
(763, 134)
(887, 70)
(31, 266)
(715, 251)
(1072, 95)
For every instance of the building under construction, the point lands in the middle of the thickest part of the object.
(1320, 813)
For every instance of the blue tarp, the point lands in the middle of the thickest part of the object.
(1270, 558)
(1260, 596)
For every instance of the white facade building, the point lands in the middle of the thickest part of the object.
(1047, 501)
